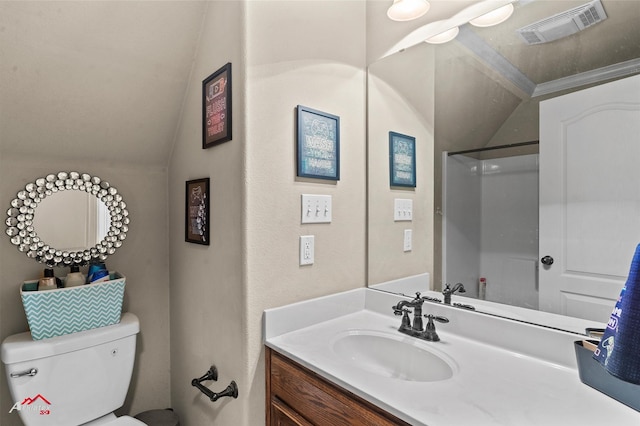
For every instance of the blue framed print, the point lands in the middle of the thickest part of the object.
(318, 144)
(402, 160)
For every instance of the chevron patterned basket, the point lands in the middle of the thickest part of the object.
(69, 310)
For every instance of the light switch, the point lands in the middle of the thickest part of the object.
(402, 209)
(316, 208)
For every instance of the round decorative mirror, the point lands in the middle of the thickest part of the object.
(82, 215)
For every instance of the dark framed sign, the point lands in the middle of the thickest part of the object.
(196, 227)
(402, 160)
(318, 144)
(216, 107)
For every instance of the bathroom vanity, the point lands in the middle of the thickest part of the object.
(342, 361)
(295, 393)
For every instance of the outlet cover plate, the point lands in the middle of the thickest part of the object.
(307, 250)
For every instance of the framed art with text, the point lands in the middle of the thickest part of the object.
(402, 160)
(318, 144)
(196, 228)
(216, 107)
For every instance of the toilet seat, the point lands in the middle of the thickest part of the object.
(111, 420)
(125, 421)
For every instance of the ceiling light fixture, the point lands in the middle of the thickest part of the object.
(495, 17)
(444, 36)
(406, 10)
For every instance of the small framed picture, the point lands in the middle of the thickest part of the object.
(196, 227)
(318, 144)
(216, 107)
(402, 160)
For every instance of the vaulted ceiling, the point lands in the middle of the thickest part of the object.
(107, 79)
(102, 80)
(489, 82)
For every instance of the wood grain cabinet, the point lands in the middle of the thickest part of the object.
(296, 396)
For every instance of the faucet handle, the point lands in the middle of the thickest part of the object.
(430, 333)
(463, 306)
(438, 318)
(400, 311)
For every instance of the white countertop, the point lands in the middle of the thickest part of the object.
(495, 382)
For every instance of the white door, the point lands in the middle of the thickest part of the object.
(589, 197)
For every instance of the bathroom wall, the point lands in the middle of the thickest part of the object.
(143, 259)
(309, 53)
(202, 305)
(283, 54)
(402, 105)
(98, 87)
(207, 286)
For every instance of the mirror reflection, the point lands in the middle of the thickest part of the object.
(72, 220)
(473, 105)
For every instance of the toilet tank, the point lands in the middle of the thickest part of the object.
(80, 376)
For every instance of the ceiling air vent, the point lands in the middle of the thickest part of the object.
(563, 24)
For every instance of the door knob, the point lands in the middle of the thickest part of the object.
(547, 260)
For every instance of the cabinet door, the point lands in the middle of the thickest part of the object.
(298, 396)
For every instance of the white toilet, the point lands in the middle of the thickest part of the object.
(76, 379)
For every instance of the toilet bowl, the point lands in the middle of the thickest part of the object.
(72, 380)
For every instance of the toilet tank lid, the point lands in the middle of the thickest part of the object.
(21, 347)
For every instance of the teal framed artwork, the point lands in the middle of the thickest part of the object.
(402, 160)
(318, 144)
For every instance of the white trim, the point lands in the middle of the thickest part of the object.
(597, 75)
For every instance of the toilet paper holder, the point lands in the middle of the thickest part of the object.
(212, 374)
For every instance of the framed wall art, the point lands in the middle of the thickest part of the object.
(402, 160)
(216, 107)
(318, 144)
(196, 227)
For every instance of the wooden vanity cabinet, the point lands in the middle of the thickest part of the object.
(296, 396)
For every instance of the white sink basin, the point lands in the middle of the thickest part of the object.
(398, 357)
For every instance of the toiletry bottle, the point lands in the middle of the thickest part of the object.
(74, 278)
(94, 268)
(59, 282)
(482, 288)
(48, 282)
(99, 276)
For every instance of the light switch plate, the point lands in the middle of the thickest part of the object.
(402, 209)
(316, 208)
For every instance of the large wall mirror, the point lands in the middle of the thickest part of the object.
(473, 105)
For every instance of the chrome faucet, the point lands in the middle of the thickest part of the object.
(416, 329)
(400, 309)
(448, 291)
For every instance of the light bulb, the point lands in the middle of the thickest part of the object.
(444, 36)
(495, 17)
(406, 10)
